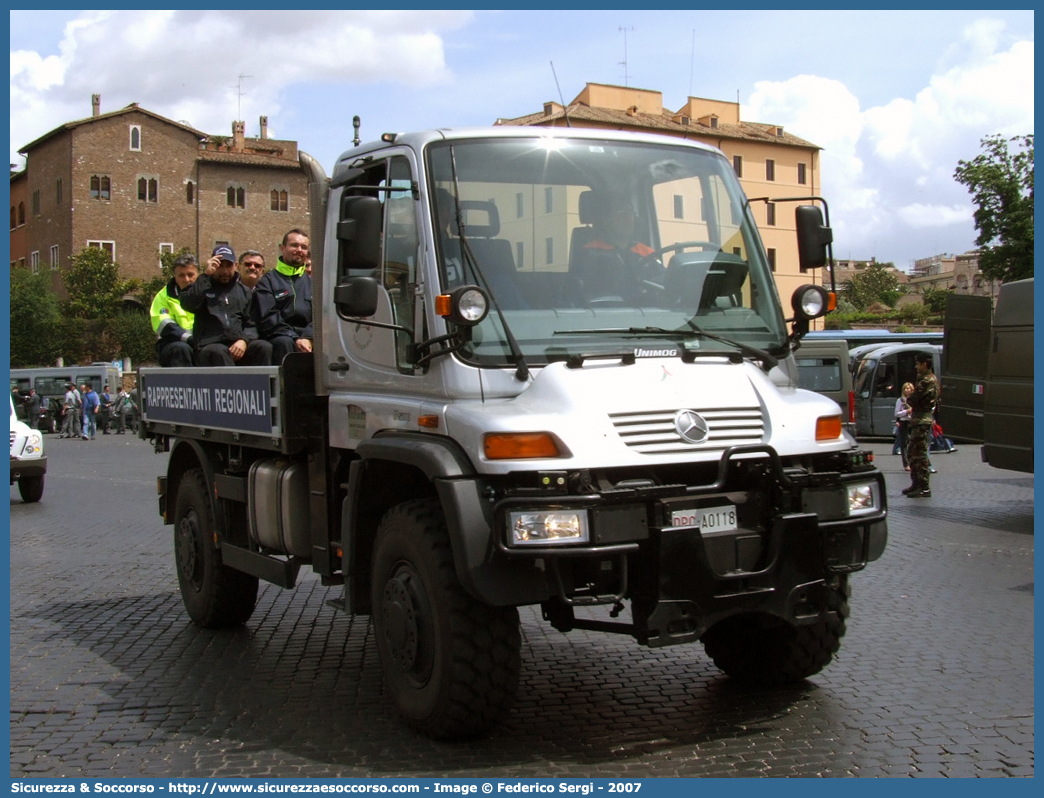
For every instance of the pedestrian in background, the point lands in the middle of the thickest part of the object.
(902, 423)
(91, 403)
(922, 401)
(105, 414)
(123, 407)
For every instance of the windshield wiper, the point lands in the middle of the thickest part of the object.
(770, 361)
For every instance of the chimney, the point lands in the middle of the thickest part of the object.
(95, 105)
(238, 136)
(264, 127)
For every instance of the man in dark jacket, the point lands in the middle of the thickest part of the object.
(283, 299)
(222, 325)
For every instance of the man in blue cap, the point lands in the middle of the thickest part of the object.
(223, 327)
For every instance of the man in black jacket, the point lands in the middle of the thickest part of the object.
(283, 299)
(223, 326)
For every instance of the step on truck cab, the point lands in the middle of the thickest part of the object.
(550, 368)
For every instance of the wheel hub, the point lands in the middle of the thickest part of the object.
(399, 613)
(188, 551)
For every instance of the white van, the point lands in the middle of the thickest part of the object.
(28, 463)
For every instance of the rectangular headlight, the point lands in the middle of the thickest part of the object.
(548, 528)
(862, 498)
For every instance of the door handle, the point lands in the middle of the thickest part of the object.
(339, 365)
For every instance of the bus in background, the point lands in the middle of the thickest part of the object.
(879, 379)
(858, 337)
(987, 375)
(50, 383)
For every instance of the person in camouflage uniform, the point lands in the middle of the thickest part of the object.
(922, 403)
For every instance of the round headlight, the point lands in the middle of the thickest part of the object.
(810, 302)
(469, 305)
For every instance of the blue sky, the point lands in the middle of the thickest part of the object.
(894, 98)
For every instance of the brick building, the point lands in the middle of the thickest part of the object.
(769, 161)
(136, 183)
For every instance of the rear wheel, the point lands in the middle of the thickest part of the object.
(31, 488)
(214, 594)
(766, 649)
(451, 663)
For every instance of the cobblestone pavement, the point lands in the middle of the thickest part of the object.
(109, 678)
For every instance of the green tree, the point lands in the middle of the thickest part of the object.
(1000, 180)
(876, 283)
(95, 287)
(99, 326)
(37, 332)
(935, 300)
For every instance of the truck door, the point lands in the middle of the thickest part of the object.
(966, 347)
(390, 181)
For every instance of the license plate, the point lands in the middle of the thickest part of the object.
(707, 519)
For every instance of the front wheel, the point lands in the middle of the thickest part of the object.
(31, 488)
(766, 649)
(214, 594)
(451, 663)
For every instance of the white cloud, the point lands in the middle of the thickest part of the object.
(186, 64)
(888, 170)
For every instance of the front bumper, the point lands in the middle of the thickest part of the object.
(36, 467)
(795, 534)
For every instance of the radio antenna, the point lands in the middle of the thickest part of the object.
(565, 108)
(239, 94)
(624, 62)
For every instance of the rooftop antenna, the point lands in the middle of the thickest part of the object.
(565, 108)
(239, 92)
(624, 62)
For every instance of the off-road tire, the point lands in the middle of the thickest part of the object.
(765, 649)
(450, 662)
(31, 488)
(214, 595)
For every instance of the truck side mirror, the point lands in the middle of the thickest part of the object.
(359, 234)
(356, 297)
(813, 237)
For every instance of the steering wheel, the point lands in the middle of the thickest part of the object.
(678, 247)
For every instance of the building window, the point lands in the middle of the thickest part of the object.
(108, 246)
(770, 170)
(135, 137)
(770, 213)
(54, 257)
(738, 251)
(190, 193)
(771, 259)
(164, 250)
(58, 191)
(679, 206)
(14, 217)
(801, 174)
(549, 202)
(520, 252)
(34, 262)
(519, 206)
(36, 202)
(101, 187)
(737, 165)
(148, 189)
(550, 244)
(235, 197)
(280, 200)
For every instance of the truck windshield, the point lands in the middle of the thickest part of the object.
(592, 246)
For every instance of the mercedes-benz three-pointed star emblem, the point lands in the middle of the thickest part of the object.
(691, 426)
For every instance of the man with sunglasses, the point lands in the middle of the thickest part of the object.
(251, 267)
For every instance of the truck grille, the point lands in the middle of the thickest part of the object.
(654, 432)
(13, 436)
